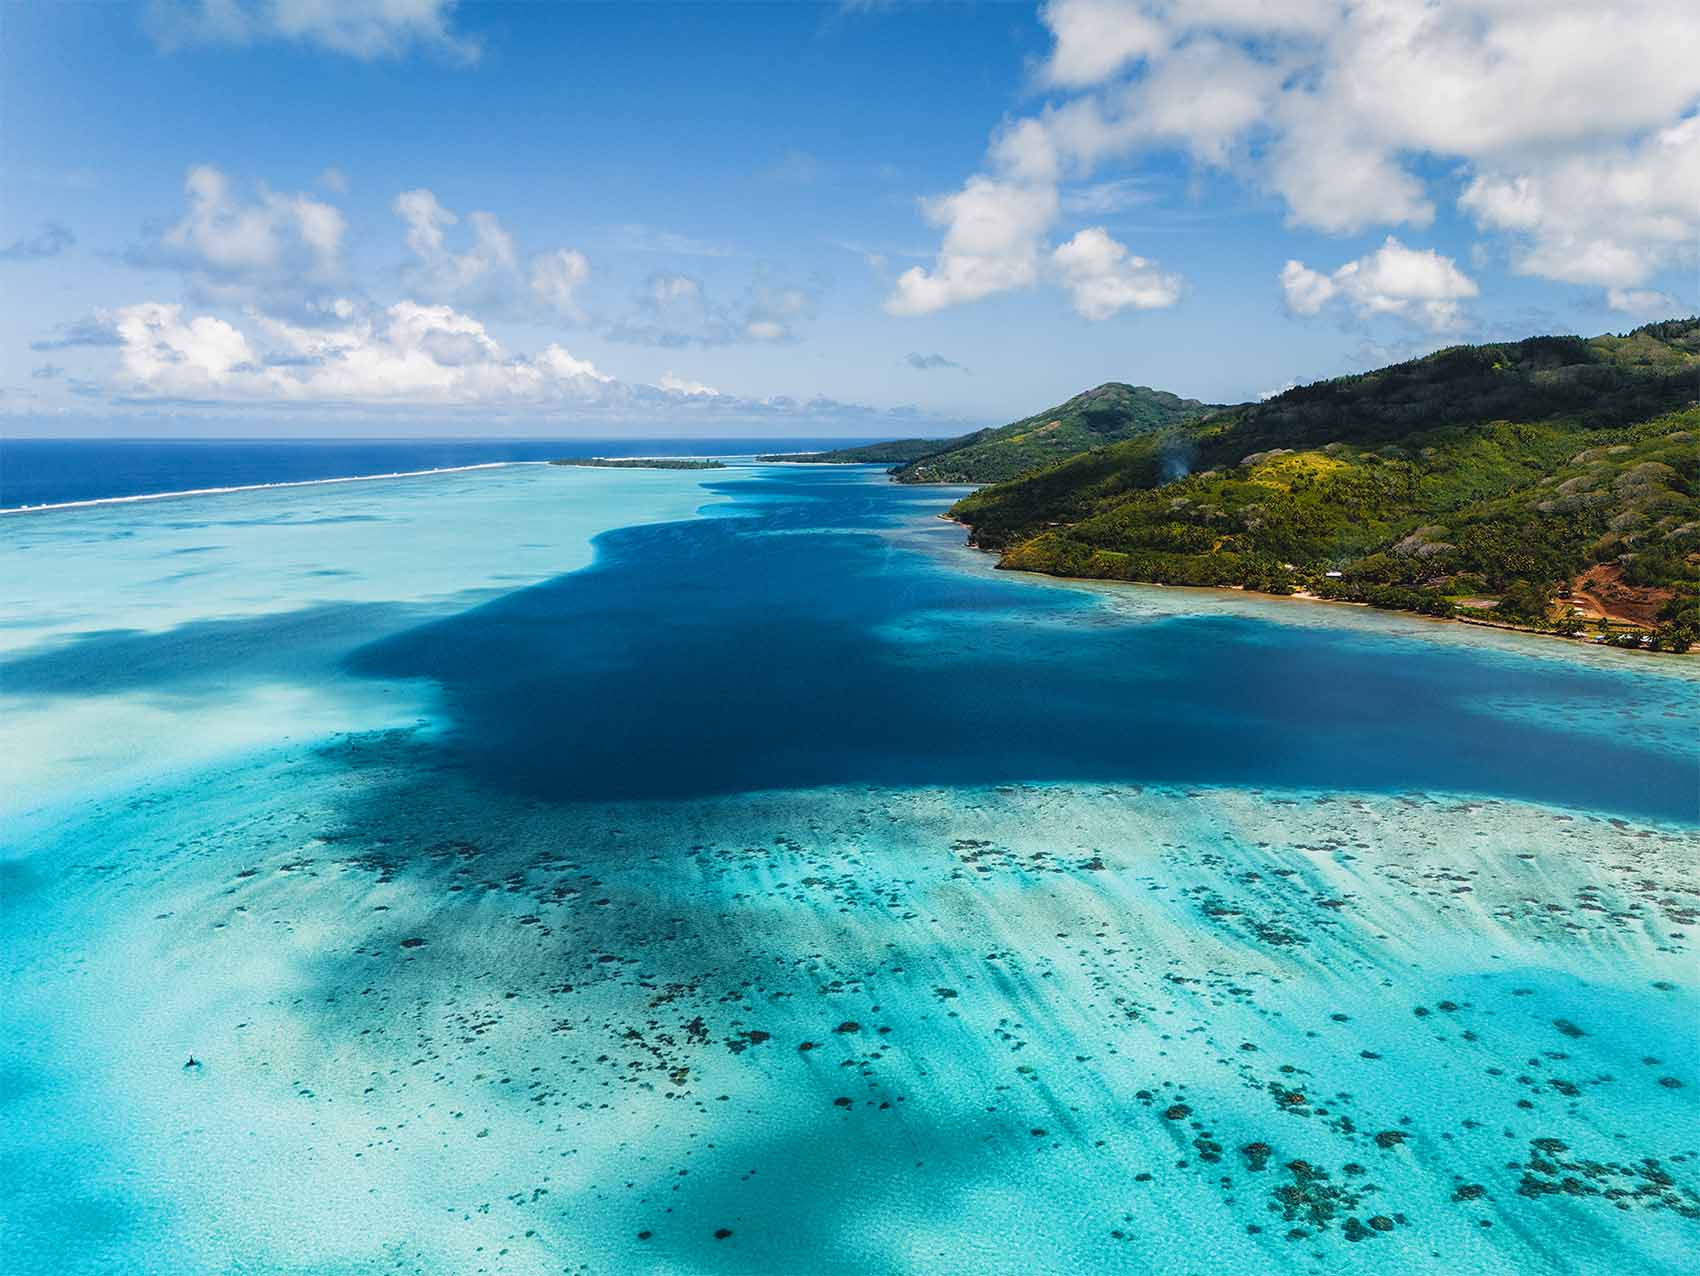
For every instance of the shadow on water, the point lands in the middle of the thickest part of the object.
(201, 657)
(766, 647)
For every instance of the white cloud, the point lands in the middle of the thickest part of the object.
(233, 246)
(1307, 290)
(556, 278)
(1418, 285)
(364, 29)
(1334, 181)
(674, 384)
(488, 270)
(1567, 126)
(416, 357)
(489, 262)
(557, 363)
(996, 241)
(1641, 301)
(160, 346)
(1096, 38)
(409, 353)
(993, 241)
(1612, 216)
(1104, 278)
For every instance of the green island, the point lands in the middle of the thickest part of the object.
(897, 452)
(1108, 414)
(641, 463)
(1551, 484)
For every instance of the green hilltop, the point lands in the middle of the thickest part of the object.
(1108, 414)
(1538, 483)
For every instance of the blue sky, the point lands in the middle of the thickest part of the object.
(292, 217)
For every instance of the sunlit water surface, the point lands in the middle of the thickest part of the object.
(568, 870)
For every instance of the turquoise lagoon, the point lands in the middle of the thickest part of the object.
(576, 870)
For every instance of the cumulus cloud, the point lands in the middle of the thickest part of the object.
(996, 231)
(163, 351)
(51, 240)
(408, 353)
(236, 246)
(439, 272)
(1103, 278)
(1096, 38)
(363, 29)
(1307, 290)
(488, 270)
(1565, 126)
(1418, 285)
(674, 384)
(1611, 216)
(993, 243)
(416, 357)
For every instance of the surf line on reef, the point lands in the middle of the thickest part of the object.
(259, 487)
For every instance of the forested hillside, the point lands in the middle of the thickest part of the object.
(1540, 482)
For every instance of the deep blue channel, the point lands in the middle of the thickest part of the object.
(784, 642)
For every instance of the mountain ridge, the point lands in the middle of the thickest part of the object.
(1107, 413)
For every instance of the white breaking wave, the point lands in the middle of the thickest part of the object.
(259, 487)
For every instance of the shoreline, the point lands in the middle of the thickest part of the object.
(1305, 596)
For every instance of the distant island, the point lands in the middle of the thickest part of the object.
(895, 453)
(640, 463)
(1551, 484)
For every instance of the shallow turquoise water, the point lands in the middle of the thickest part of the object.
(782, 871)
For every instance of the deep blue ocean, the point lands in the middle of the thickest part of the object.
(53, 471)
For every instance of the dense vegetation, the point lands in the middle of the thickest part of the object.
(641, 463)
(1108, 414)
(1513, 481)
